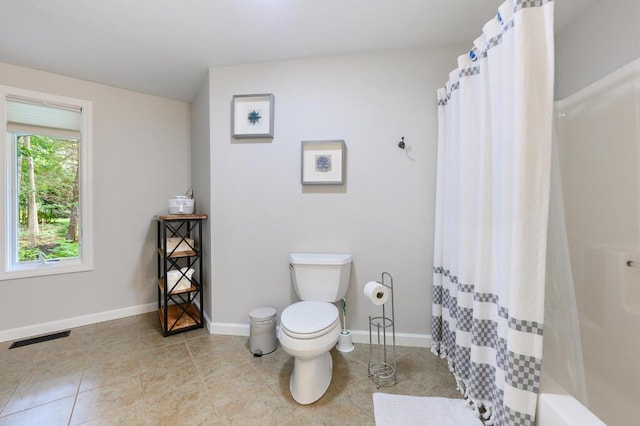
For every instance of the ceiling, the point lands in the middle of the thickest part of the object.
(164, 47)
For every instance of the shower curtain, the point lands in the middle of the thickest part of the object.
(492, 196)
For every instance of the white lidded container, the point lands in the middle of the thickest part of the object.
(181, 204)
(262, 331)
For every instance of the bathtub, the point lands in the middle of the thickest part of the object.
(557, 408)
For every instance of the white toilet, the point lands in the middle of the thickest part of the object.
(309, 329)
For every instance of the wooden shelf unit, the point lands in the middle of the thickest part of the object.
(180, 310)
(186, 290)
(180, 317)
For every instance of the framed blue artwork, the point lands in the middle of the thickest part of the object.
(252, 116)
(323, 162)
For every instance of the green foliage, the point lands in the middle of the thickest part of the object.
(26, 254)
(65, 249)
(55, 166)
(51, 242)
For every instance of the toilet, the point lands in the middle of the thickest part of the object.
(311, 327)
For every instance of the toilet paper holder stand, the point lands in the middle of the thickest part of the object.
(382, 354)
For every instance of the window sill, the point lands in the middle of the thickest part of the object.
(48, 268)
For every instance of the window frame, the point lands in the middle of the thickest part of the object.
(9, 267)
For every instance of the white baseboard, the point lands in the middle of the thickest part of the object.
(49, 327)
(229, 329)
(359, 336)
(402, 339)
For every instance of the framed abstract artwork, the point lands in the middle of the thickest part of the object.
(323, 162)
(252, 116)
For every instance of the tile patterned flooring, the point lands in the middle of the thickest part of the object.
(123, 372)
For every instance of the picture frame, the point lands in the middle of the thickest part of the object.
(252, 116)
(323, 162)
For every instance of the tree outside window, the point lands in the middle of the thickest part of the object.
(48, 197)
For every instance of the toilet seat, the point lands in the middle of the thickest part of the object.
(307, 320)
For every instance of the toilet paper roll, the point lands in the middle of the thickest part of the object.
(376, 292)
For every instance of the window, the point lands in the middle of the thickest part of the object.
(46, 146)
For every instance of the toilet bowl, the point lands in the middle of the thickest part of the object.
(311, 327)
(308, 331)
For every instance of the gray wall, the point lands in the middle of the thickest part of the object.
(201, 177)
(605, 37)
(141, 155)
(384, 213)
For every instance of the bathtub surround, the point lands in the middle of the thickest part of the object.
(494, 150)
(599, 144)
(562, 353)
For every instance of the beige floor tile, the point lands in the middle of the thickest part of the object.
(124, 372)
(215, 344)
(165, 357)
(106, 370)
(259, 406)
(5, 394)
(274, 368)
(106, 400)
(131, 415)
(221, 366)
(162, 381)
(190, 404)
(18, 355)
(343, 416)
(359, 354)
(107, 343)
(51, 414)
(8, 385)
(196, 334)
(59, 362)
(361, 394)
(336, 411)
(154, 338)
(231, 388)
(347, 369)
(118, 325)
(37, 390)
(148, 321)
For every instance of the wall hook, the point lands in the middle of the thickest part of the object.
(406, 148)
(401, 144)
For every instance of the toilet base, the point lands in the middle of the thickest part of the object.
(310, 378)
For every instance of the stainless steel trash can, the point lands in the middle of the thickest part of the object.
(262, 331)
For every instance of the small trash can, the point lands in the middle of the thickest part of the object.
(262, 331)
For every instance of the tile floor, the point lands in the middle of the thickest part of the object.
(124, 372)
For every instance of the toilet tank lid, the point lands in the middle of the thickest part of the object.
(319, 259)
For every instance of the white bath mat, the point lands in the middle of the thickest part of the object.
(401, 410)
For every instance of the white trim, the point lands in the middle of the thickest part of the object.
(402, 339)
(228, 329)
(52, 326)
(8, 268)
(359, 336)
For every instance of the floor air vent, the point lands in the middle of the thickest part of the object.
(39, 339)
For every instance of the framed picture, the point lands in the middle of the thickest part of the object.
(323, 162)
(252, 116)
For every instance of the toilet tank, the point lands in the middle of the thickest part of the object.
(321, 277)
